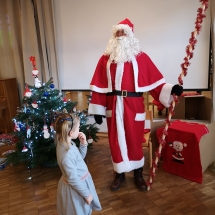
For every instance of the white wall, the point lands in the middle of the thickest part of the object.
(83, 29)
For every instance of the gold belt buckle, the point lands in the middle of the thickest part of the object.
(126, 93)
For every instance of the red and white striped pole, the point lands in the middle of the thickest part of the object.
(189, 54)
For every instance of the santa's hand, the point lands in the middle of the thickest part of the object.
(177, 90)
(98, 119)
(82, 138)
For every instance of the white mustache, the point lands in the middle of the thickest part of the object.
(120, 38)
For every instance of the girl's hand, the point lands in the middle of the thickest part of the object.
(82, 138)
(89, 199)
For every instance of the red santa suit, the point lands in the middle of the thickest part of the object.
(117, 87)
(126, 115)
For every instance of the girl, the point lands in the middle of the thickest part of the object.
(76, 194)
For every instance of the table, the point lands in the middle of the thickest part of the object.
(181, 154)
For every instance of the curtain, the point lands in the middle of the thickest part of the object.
(212, 7)
(27, 29)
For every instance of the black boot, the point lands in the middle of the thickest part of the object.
(119, 178)
(138, 179)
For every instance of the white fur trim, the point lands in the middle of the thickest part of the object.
(121, 131)
(109, 113)
(140, 116)
(165, 95)
(118, 77)
(135, 68)
(121, 167)
(97, 109)
(147, 88)
(100, 90)
(109, 87)
(150, 87)
(109, 76)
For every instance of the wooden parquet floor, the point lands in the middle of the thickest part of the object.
(169, 194)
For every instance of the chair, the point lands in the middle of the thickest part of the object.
(147, 134)
(150, 103)
(154, 103)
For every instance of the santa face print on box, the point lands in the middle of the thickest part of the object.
(178, 150)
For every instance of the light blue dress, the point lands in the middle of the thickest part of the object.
(76, 182)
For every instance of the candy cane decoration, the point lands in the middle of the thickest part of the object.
(184, 66)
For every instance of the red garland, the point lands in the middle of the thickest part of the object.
(158, 154)
(180, 81)
(165, 132)
(176, 99)
(162, 142)
(193, 42)
(168, 121)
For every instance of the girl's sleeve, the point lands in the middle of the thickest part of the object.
(83, 150)
(69, 165)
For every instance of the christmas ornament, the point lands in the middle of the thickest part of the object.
(46, 133)
(16, 126)
(34, 127)
(27, 92)
(65, 99)
(90, 140)
(45, 94)
(34, 104)
(74, 109)
(28, 132)
(35, 72)
(37, 82)
(52, 127)
(29, 143)
(51, 86)
(28, 110)
(24, 149)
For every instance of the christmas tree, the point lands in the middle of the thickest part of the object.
(33, 123)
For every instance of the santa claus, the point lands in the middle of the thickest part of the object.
(122, 74)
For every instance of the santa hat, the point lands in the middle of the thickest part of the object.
(127, 22)
(126, 25)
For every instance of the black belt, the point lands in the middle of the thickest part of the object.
(124, 93)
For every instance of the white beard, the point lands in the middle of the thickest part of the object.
(122, 49)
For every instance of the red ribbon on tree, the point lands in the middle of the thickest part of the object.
(33, 61)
